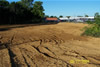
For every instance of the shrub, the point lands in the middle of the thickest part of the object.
(92, 31)
(94, 28)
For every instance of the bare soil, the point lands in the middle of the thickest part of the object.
(48, 46)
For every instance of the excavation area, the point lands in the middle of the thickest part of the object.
(55, 45)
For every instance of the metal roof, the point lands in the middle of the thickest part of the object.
(65, 18)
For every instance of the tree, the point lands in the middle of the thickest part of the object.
(86, 16)
(38, 10)
(18, 13)
(4, 11)
(79, 16)
(97, 19)
(55, 16)
(68, 18)
(60, 16)
(2, 0)
(27, 3)
(51, 16)
(4, 3)
(96, 15)
(46, 15)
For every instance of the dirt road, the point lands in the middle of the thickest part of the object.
(59, 45)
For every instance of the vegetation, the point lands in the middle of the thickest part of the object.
(53, 16)
(94, 28)
(68, 18)
(21, 12)
(60, 16)
(86, 16)
(38, 11)
(79, 16)
(46, 16)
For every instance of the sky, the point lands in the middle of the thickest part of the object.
(70, 7)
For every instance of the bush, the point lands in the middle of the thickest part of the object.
(94, 28)
(92, 31)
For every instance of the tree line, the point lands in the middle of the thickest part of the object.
(21, 12)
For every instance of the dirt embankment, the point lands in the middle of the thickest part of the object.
(48, 46)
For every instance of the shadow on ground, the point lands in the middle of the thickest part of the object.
(9, 27)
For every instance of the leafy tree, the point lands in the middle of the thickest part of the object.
(4, 11)
(68, 18)
(97, 19)
(97, 16)
(55, 16)
(17, 12)
(79, 16)
(60, 16)
(51, 16)
(38, 10)
(46, 15)
(27, 3)
(2, 0)
(21, 12)
(4, 3)
(86, 16)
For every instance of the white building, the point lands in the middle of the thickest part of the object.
(77, 19)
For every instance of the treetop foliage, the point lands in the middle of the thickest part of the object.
(38, 8)
(61, 16)
(21, 12)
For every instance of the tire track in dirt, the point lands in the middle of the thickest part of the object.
(42, 47)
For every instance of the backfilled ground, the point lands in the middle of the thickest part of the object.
(57, 45)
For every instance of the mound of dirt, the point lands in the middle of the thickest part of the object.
(48, 46)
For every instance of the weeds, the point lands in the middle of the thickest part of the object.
(94, 28)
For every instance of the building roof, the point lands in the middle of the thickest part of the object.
(52, 19)
(76, 18)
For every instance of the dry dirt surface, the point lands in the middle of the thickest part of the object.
(57, 45)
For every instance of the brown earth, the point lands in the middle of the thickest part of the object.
(48, 46)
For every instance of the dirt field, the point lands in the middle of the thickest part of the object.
(58, 45)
